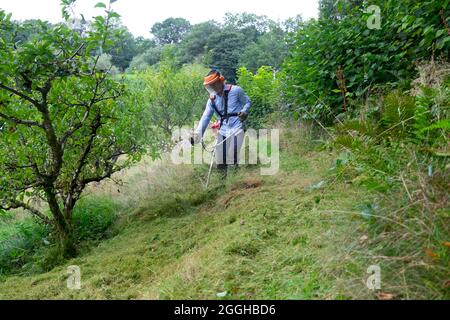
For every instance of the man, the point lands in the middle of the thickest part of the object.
(231, 104)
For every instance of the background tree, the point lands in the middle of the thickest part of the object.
(269, 50)
(292, 24)
(224, 49)
(123, 51)
(239, 32)
(104, 64)
(250, 25)
(149, 58)
(194, 44)
(143, 44)
(170, 30)
(65, 122)
(173, 97)
(241, 40)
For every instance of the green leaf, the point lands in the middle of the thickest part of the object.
(440, 33)
(100, 5)
(441, 43)
(114, 15)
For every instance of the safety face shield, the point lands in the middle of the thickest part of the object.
(213, 83)
(210, 90)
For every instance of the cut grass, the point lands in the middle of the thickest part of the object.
(287, 236)
(258, 237)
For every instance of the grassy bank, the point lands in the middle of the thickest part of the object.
(301, 234)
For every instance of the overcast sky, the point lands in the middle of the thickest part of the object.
(140, 15)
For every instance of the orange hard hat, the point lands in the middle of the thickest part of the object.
(213, 77)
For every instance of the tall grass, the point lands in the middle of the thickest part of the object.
(19, 241)
(408, 222)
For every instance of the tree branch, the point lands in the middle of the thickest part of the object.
(75, 187)
(14, 204)
(78, 125)
(107, 174)
(52, 140)
(109, 169)
(28, 123)
(20, 95)
(76, 52)
(75, 127)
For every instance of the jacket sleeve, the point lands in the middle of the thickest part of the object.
(244, 100)
(205, 119)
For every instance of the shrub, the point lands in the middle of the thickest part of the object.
(18, 242)
(172, 97)
(263, 88)
(28, 246)
(336, 59)
(93, 217)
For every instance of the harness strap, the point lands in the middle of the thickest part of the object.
(226, 115)
(213, 104)
(226, 92)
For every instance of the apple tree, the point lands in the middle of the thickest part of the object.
(64, 122)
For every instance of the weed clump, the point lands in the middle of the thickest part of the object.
(244, 249)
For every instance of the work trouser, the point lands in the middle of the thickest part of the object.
(228, 152)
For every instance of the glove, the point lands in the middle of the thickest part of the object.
(194, 138)
(242, 116)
